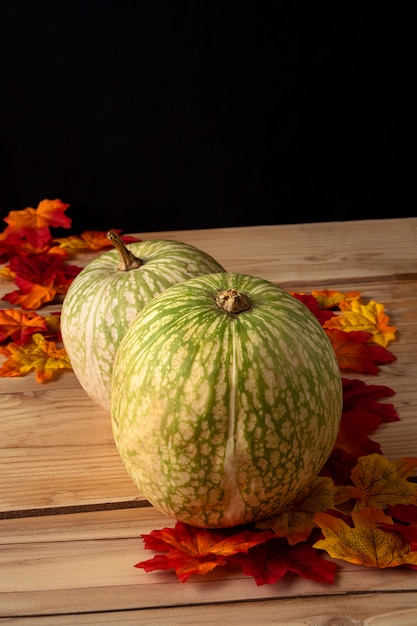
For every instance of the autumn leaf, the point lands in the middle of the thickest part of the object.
(338, 466)
(355, 426)
(38, 355)
(91, 240)
(362, 415)
(270, 561)
(367, 543)
(331, 299)
(406, 513)
(39, 278)
(409, 532)
(31, 296)
(34, 223)
(295, 520)
(8, 246)
(365, 317)
(19, 326)
(53, 327)
(361, 395)
(193, 550)
(354, 352)
(379, 482)
(311, 303)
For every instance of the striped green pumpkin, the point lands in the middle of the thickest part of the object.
(103, 300)
(222, 416)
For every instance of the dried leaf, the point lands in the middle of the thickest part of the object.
(358, 394)
(270, 561)
(91, 240)
(379, 482)
(193, 550)
(406, 513)
(295, 520)
(331, 299)
(365, 317)
(18, 326)
(38, 355)
(367, 543)
(355, 426)
(409, 532)
(39, 278)
(34, 223)
(311, 303)
(354, 352)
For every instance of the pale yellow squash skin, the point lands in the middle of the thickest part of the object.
(222, 418)
(103, 301)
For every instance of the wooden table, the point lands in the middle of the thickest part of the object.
(71, 519)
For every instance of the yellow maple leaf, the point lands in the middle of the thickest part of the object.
(295, 520)
(39, 355)
(366, 543)
(369, 317)
(6, 272)
(379, 483)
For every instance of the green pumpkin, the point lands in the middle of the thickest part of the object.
(226, 399)
(106, 296)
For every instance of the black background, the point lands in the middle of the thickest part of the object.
(162, 115)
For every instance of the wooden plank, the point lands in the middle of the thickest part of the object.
(383, 609)
(323, 251)
(85, 563)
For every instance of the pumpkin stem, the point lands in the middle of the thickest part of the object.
(128, 261)
(232, 300)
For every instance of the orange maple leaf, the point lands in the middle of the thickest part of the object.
(367, 543)
(19, 326)
(379, 482)
(34, 223)
(89, 240)
(295, 520)
(193, 550)
(32, 296)
(365, 317)
(39, 355)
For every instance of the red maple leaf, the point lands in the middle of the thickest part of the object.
(354, 352)
(358, 394)
(191, 550)
(312, 304)
(271, 560)
(409, 533)
(406, 513)
(39, 277)
(362, 415)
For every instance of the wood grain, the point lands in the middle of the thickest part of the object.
(90, 557)
(71, 519)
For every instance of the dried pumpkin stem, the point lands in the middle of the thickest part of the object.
(128, 261)
(232, 300)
